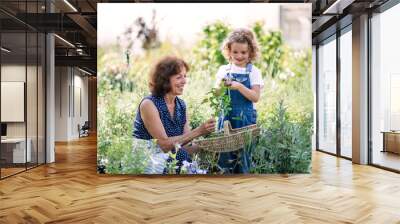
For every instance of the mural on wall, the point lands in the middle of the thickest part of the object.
(230, 93)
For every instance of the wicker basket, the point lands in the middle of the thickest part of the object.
(231, 140)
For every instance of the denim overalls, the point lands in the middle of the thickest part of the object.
(242, 114)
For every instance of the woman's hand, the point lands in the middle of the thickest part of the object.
(192, 149)
(207, 127)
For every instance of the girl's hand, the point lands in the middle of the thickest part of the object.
(235, 85)
(227, 81)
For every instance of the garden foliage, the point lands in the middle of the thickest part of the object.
(284, 109)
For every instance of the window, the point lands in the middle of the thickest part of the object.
(385, 89)
(346, 93)
(327, 96)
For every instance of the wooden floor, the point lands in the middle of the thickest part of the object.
(10, 171)
(70, 191)
(387, 159)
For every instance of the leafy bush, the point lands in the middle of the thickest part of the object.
(284, 145)
(209, 48)
(271, 50)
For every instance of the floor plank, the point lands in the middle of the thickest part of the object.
(70, 191)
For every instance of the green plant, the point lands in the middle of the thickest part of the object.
(171, 165)
(207, 161)
(197, 117)
(115, 153)
(218, 100)
(209, 48)
(135, 161)
(285, 144)
(271, 50)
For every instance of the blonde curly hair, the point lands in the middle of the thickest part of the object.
(241, 35)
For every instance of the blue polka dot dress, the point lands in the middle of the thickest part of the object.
(173, 126)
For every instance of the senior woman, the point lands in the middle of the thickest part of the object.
(163, 115)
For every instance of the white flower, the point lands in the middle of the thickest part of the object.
(186, 164)
(283, 76)
(291, 74)
(274, 86)
(200, 171)
(104, 161)
(177, 146)
(119, 76)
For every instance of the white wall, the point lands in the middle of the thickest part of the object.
(62, 81)
(80, 89)
(70, 84)
(12, 101)
(14, 73)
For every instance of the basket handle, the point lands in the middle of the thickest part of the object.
(227, 127)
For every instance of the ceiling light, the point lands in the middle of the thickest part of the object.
(338, 6)
(79, 51)
(5, 49)
(70, 5)
(86, 72)
(64, 40)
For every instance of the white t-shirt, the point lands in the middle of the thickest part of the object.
(255, 74)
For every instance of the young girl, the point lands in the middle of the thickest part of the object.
(244, 81)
